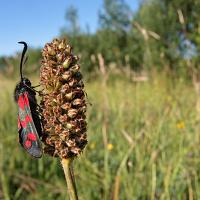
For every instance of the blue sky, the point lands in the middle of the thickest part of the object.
(38, 21)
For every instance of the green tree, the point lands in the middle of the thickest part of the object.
(115, 15)
(176, 23)
(114, 24)
(72, 22)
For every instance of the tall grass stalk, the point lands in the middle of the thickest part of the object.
(67, 165)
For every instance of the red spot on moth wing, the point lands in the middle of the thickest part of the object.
(32, 136)
(23, 123)
(28, 119)
(28, 144)
(26, 101)
(19, 125)
(21, 102)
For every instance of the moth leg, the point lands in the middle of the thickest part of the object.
(32, 88)
(36, 86)
(37, 113)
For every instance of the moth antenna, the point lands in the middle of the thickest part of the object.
(25, 61)
(22, 57)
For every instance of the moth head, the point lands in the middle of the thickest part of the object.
(26, 81)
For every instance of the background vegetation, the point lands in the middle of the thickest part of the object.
(142, 78)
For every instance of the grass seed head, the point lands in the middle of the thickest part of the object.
(63, 101)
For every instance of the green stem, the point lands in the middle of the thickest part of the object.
(68, 170)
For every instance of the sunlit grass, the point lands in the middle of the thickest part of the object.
(151, 152)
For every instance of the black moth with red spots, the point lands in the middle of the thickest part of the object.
(29, 125)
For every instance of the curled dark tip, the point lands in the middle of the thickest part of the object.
(22, 57)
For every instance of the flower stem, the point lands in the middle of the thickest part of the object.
(69, 176)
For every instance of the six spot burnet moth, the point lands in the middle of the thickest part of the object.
(29, 124)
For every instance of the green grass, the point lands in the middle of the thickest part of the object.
(151, 158)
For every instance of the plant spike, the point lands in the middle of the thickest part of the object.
(63, 106)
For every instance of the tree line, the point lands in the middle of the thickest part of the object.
(159, 34)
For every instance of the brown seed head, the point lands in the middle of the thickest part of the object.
(63, 101)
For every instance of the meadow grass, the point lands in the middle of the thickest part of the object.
(143, 144)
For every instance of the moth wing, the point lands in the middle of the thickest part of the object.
(28, 136)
